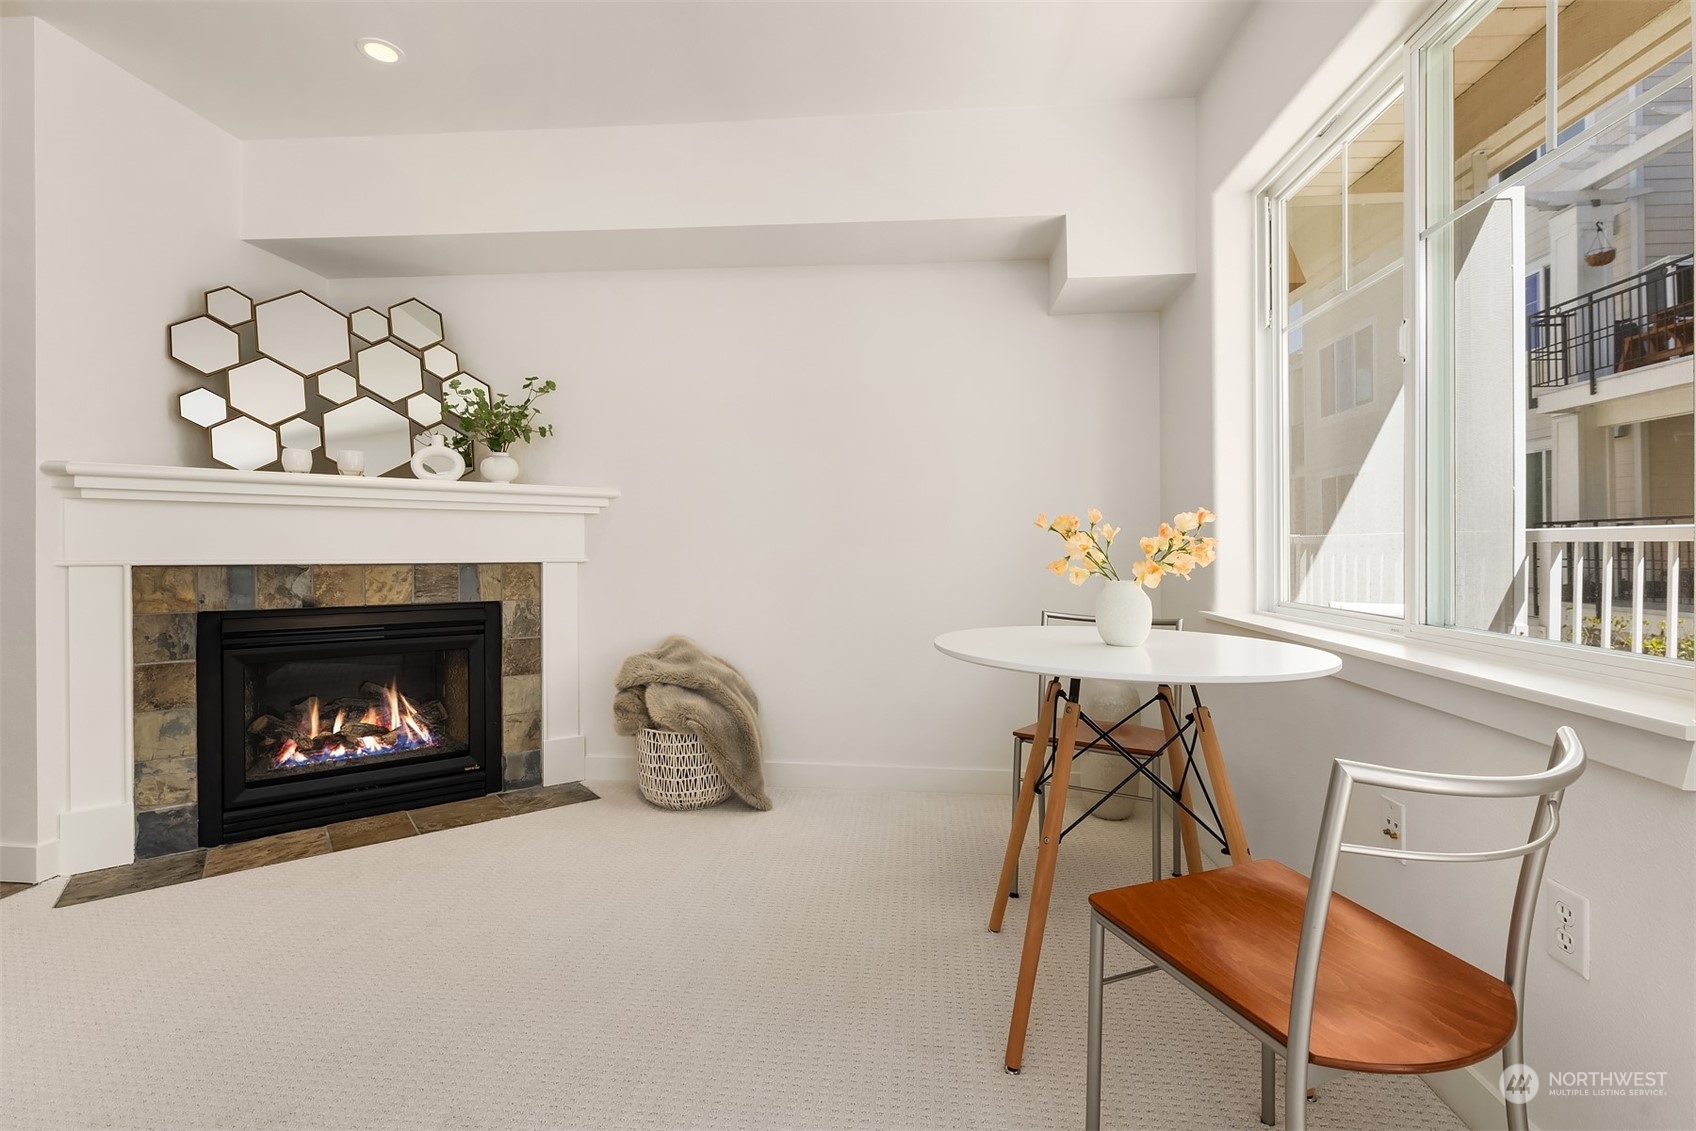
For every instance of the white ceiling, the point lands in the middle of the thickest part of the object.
(264, 68)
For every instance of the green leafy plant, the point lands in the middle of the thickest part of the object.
(501, 422)
(1654, 643)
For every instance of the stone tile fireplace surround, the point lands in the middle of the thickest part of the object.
(134, 552)
(165, 601)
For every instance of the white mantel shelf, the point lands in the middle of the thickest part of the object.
(272, 488)
(111, 518)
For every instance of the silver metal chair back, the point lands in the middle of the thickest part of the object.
(1566, 764)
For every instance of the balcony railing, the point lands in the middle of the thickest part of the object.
(1632, 322)
(1625, 585)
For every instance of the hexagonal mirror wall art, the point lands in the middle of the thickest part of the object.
(371, 427)
(390, 371)
(368, 324)
(229, 306)
(441, 361)
(267, 391)
(297, 379)
(205, 345)
(244, 444)
(299, 433)
(203, 407)
(415, 324)
(337, 385)
(302, 333)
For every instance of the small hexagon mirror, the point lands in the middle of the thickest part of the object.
(267, 391)
(457, 392)
(368, 426)
(203, 344)
(415, 324)
(390, 371)
(337, 385)
(441, 361)
(229, 306)
(203, 407)
(302, 333)
(244, 444)
(299, 433)
(425, 409)
(371, 325)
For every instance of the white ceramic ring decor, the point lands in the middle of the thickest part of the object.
(437, 460)
(1124, 615)
(498, 467)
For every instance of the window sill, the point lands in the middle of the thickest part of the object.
(1657, 736)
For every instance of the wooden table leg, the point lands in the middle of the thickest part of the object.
(1042, 886)
(1236, 841)
(1027, 797)
(1175, 759)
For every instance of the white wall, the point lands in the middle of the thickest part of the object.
(135, 210)
(822, 469)
(1626, 843)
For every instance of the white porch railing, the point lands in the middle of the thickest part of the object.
(1614, 587)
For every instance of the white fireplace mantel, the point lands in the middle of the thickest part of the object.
(111, 517)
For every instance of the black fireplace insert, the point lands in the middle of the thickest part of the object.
(309, 716)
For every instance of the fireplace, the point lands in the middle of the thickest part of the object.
(310, 716)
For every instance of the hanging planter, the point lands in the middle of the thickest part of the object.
(1601, 252)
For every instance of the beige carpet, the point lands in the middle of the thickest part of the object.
(611, 965)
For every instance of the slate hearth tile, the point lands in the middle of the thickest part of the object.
(212, 587)
(548, 797)
(7, 888)
(243, 583)
(160, 832)
(521, 619)
(159, 637)
(283, 587)
(521, 732)
(521, 657)
(388, 585)
(521, 694)
(431, 583)
(163, 782)
(334, 586)
(488, 582)
(521, 581)
(143, 875)
(469, 589)
(472, 811)
(162, 589)
(370, 830)
(164, 687)
(299, 845)
(164, 734)
(520, 769)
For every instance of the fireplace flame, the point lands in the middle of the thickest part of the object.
(391, 723)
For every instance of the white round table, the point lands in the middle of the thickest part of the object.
(1170, 659)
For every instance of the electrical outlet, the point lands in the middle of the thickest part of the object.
(1566, 927)
(1394, 828)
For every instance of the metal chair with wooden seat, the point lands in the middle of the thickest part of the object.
(1249, 940)
(1148, 743)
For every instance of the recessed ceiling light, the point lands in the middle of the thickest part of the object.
(380, 50)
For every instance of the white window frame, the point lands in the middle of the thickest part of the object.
(1403, 69)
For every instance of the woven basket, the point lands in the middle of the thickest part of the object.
(674, 771)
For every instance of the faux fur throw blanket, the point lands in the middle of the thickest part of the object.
(680, 687)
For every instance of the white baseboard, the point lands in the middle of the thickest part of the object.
(29, 863)
(563, 759)
(817, 775)
(1472, 1094)
(91, 839)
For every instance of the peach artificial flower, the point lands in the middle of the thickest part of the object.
(1203, 516)
(1094, 516)
(1108, 533)
(1185, 522)
(1057, 567)
(1203, 552)
(1079, 544)
(1077, 576)
(1042, 522)
(1166, 530)
(1150, 545)
(1146, 574)
(1181, 564)
(1065, 525)
(1090, 565)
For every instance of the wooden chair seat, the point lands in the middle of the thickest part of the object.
(1387, 1000)
(1136, 739)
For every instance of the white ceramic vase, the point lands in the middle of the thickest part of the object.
(498, 467)
(1123, 614)
(297, 460)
